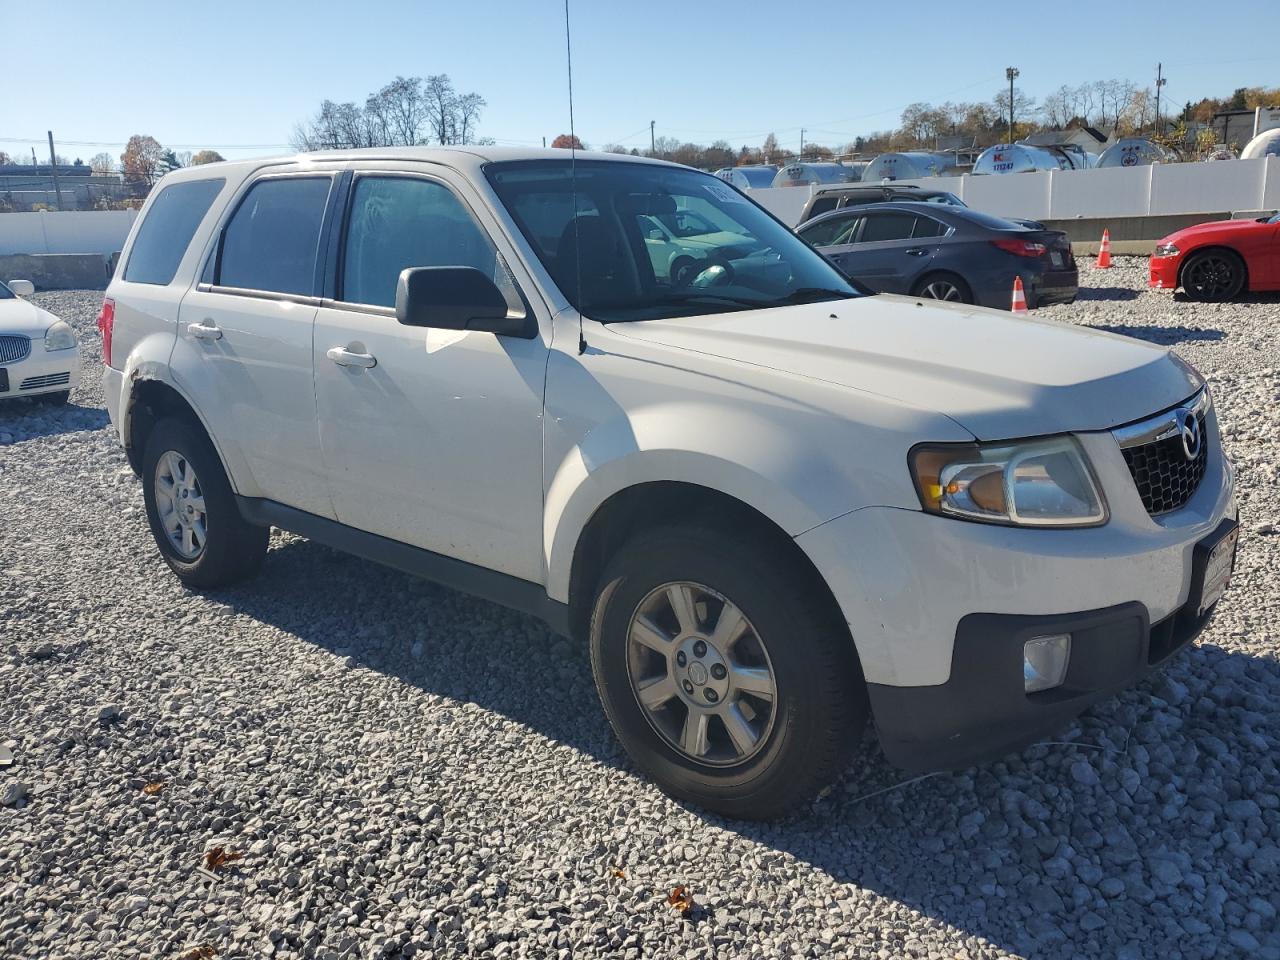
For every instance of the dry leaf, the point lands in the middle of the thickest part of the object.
(151, 789)
(618, 873)
(202, 952)
(218, 857)
(681, 898)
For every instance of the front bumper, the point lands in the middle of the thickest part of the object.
(41, 371)
(1163, 273)
(981, 713)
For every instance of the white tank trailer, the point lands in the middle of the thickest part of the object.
(909, 165)
(1134, 152)
(1025, 158)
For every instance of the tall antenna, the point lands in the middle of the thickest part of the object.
(573, 179)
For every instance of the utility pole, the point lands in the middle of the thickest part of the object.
(544, 143)
(53, 165)
(802, 143)
(1160, 82)
(1011, 74)
(653, 143)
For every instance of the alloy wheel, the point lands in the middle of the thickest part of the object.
(1210, 277)
(180, 505)
(701, 674)
(942, 290)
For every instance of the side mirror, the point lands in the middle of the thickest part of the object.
(656, 234)
(455, 298)
(23, 288)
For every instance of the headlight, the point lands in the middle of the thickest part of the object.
(1033, 483)
(1166, 250)
(59, 337)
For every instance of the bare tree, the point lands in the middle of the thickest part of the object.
(441, 106)
(102, 164)
(468, 107)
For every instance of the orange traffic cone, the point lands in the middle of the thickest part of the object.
(1019, 298)
(1104, 251)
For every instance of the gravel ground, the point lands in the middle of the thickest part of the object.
(408, 771)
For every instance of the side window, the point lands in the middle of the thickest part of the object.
(401, 222)
(824, 234)
(272, 239)
(888, 226)
(928, 227)
(822, 205)
(167, 230)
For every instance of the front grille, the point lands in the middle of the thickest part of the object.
(48, 380)
(1166, 479)
(14, 348)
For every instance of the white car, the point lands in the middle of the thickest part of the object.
(773, 506)
(39, 354)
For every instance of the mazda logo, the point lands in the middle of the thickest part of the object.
(1189, 431)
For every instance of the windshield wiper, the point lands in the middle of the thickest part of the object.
(810, 294)
(721, 297)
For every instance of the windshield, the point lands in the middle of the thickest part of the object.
(5, 292)
(651, 241)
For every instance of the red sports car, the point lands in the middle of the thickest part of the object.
(1216, 261)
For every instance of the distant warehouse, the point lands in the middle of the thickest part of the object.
(25, 187)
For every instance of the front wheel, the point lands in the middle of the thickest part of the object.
(192, 511)
(728, 677)
(1213, 276)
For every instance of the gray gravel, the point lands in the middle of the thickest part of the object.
(408, 771)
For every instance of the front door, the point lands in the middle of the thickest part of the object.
(249, 325)
(430, 437)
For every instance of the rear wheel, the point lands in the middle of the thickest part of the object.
(725, 674)
(943, 286)
(192, 511)
(1213, 276)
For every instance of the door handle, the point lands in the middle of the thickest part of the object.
(205, 330)
(345, 358)
(916, 252)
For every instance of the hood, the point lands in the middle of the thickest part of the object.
(997, 376)
(1214, 228)
(19, 316)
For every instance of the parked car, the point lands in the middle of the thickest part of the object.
(945, 252)
(755, 177)
(1219, 260)
(39, 354)
(840, 196)
(681, 243)
(770, 505)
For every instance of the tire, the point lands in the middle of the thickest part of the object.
(960, 292)
(58, 399)
(179, 457)
(1213, 276)
(819, 707)
(682, 271)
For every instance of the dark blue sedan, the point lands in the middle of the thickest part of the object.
(945, 252)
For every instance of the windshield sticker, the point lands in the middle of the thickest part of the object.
(723, 193)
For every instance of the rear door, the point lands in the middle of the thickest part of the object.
(248, 325)
(885, 255)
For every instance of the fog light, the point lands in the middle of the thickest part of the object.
(1044, 662)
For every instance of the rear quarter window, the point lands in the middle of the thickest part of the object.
(167, 229)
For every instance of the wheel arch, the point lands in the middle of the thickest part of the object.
(631, 509)
(150, 399)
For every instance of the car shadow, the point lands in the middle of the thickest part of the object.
(1108, 293)
(1097, 839)
(28, 418)
(1162, 335)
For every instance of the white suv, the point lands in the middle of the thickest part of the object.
(771, 504)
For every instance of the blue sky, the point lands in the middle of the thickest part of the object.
(236, 75)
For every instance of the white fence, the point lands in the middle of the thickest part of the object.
(1157, 190)
(87, 231)
(1221, 186)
